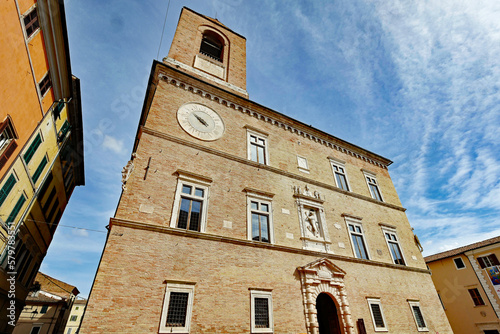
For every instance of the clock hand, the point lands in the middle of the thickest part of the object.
(202, 121)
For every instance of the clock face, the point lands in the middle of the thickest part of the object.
(200, 121)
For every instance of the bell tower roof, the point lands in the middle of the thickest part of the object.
(206, 48)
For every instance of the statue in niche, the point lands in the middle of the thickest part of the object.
(311, 218)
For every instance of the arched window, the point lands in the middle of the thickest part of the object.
(211, 46)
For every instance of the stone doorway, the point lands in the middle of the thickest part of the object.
(322, 277)
(328, 319)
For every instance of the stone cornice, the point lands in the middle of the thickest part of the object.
(251, 243)
(265, 167)
(260, 116)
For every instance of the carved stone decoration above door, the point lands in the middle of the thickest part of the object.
(313, 229)
(322, 276)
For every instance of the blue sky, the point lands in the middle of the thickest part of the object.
(416, 82)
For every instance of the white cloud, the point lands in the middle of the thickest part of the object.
(113, 144)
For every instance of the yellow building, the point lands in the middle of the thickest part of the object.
(75, 316)
(41, 142)
(47, 309)
(235, 218)
(468, 282)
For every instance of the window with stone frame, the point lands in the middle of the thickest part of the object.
(259, 216)
(371, 181)
(339, 174)
(378, 318)
(358, 242)
(261, 311)
(191, 202)
(418, 316)
(392, 240)
(177, 308)
(257, 146)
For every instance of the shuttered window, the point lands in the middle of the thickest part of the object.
(15, 211)
(488, 261)
(7, 187)
(377, 314)
(39, 169)
(32, 148)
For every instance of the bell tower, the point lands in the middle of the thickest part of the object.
(207, 49)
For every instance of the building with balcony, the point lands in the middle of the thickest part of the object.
(41, 142)
(47, 309)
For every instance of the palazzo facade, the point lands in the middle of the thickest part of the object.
(235, 218)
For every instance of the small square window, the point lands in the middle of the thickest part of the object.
(257, 147)
(303, 165)
(377, 315)
(262, 311)
(459, 263)
(476, 297)
(177, 308)
(36, 329)
(418, 316)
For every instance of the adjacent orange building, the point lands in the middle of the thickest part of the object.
(467, 280)
(41, 142)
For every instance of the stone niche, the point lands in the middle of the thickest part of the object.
(313, 227)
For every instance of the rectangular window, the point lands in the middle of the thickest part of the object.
(257, 147)
(261, 311)
(64, 131)
(40, 169)
(45, 84)
(377, 315)
(15, 211)
(371, 181)
(418, 316)
(476, 297)
(191, 201)
(44, 309)
(177, 308)
(190, 208)
(459, 263)
(31, 23)
(73, 318)
(393, 243)
(7, 187)
(30, 152)
(488, 261)
(36, 329)
(339, 174)
(303, 165)
(259, 216)
(357, 240)
(69, 331)
(6, 134)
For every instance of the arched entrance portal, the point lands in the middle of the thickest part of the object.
(328, 319)
(318, 278)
